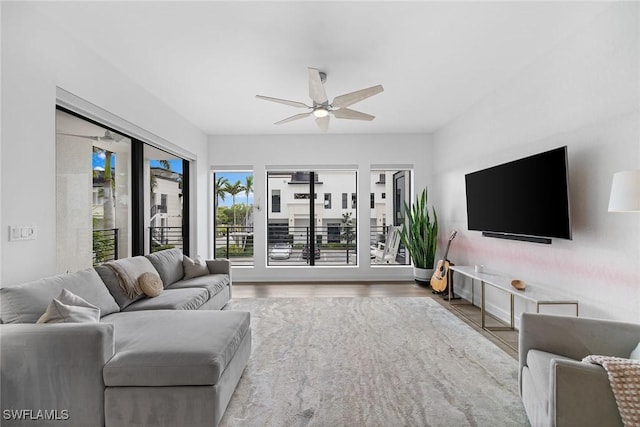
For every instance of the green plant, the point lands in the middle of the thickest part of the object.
(419, 233)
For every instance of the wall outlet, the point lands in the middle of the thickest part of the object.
(22, 232)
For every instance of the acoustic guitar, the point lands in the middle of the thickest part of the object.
(439, 278)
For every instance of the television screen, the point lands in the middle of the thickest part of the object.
(527, 197)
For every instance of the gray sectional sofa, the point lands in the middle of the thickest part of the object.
(171, 360)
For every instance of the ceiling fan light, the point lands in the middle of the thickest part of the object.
(321, 112)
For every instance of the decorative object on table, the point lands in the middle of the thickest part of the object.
(625, 192)
(518, 284)
(441, 274)
(419, 234)
(321, 107)
(479, 268)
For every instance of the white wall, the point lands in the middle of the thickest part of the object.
(359, 151)
(585, 94)
(38, 58)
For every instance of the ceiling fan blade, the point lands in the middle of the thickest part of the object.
(346, 113)
(357, 96)
(316, 88)
(323, 123)
(284, 101)
(292, 118)
(94, 138)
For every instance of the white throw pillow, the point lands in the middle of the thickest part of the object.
(70, 308)
(635, 354)
(194, 267)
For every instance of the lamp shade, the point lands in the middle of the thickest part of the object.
(625, 192)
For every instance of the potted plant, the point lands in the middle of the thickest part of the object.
(419, 234)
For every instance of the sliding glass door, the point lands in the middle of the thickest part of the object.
(93, 187)
(116, 196)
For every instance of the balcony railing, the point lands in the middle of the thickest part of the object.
(165, 238)
(289, 245)
(105, 245)
(235, 243)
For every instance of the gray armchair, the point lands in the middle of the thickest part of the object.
(557, 389)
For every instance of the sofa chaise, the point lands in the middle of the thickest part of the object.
(169, 360)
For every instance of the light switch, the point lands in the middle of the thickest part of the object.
(22, 232)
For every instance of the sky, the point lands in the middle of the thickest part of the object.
(232, 177)
(176, 166)
(98, 162)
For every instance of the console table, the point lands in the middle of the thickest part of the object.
(498, 281)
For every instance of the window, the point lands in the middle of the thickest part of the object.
(275, 201)
(354, 201)
(387, 212)
(306, 231)
(233, 222)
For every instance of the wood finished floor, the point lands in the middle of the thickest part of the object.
(466, 312)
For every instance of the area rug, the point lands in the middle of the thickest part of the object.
(370, 362)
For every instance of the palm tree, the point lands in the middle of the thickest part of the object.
(347, 232)
(234, 189)
(220, 189)
(107, 190)
(248, 188)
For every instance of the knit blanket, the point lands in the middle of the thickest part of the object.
(127, 279)
(624, 377)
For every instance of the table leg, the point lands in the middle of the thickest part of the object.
(482, 311)
(512, 313)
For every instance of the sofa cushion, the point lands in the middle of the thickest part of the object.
(26, 302)
(194, 267)
(213, 283)
(150, 284)
(539, 363)
(169, 265)
(172, 299)
(172, 348)
(70, 308)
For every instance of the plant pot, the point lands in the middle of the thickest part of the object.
(422, 276)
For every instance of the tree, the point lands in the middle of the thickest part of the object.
(248, 188)
(220, 189)
(234, 189)
(108, 184)
(347, 231)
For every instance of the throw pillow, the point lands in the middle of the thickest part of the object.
(150, 284)
(70, 308)
(194, 267)
(635, 354)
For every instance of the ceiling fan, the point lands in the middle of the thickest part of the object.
(321, 107)
(107, 137)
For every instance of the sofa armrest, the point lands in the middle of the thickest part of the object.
(55, 367)
(581, 395)
(219, 266)
(575, 337)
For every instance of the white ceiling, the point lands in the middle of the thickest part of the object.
(208, 59)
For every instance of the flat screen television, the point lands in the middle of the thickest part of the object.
(526, 199)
